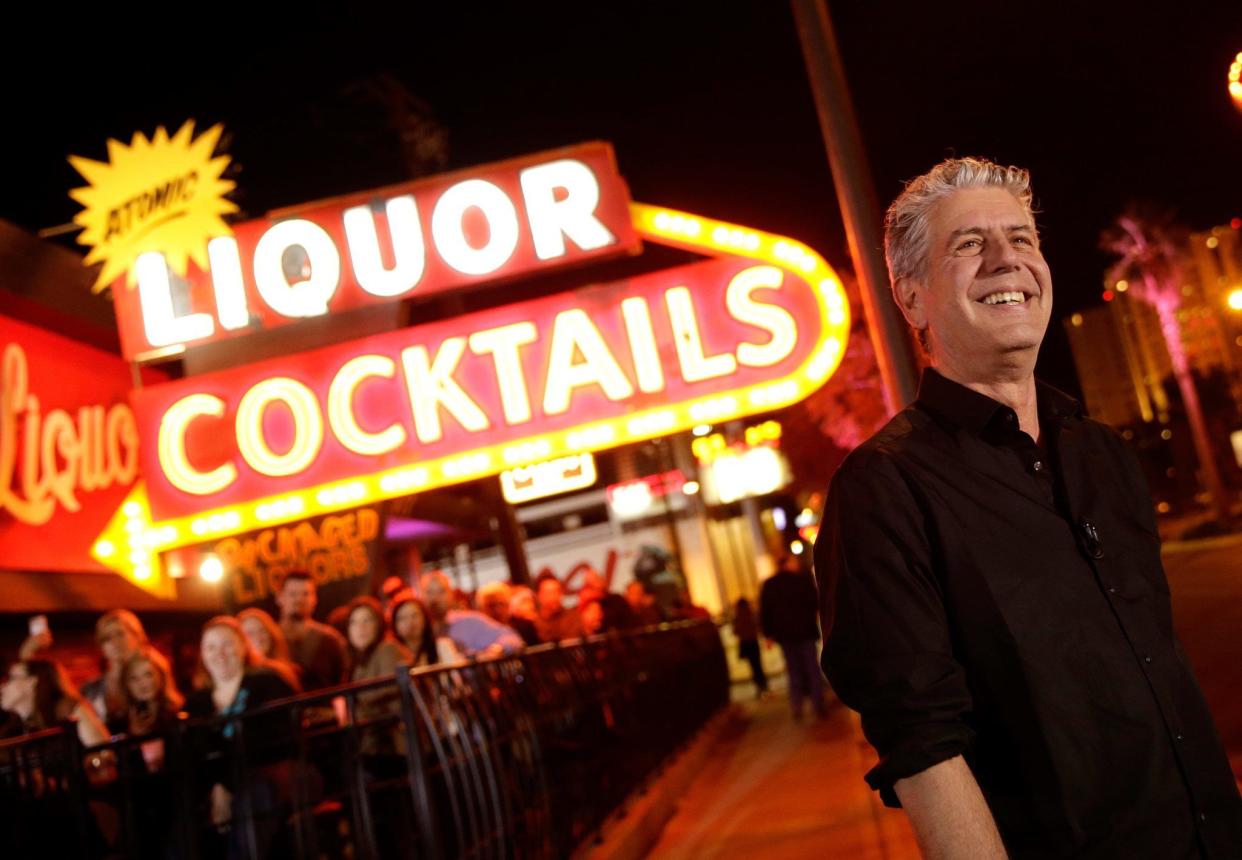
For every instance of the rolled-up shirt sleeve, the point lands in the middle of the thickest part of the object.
(887, 647)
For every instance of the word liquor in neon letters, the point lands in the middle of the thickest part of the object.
(386, 245)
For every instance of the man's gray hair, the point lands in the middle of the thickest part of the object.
(905, 224)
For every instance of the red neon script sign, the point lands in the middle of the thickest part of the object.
(68, 447)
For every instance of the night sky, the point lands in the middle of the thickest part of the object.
(709, 108)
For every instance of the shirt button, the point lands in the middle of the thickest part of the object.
(1203, 816)
(1038, 465)
(1180, 738)
(1112, 590)
(1146, 658)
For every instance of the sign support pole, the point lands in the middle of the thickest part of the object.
(856, 196)
(509, 531)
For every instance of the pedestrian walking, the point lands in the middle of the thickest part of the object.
(788, 609)
(746, 629)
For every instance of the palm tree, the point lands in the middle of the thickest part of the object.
(1150, 262)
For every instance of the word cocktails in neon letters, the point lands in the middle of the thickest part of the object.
(474, 395)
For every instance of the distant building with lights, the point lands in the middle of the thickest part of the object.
(1125, 370)
(1120, 350)
(1121, 360)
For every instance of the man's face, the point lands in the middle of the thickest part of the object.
(551, 594)
(634, 594)
(523, 605)
(436, 596)
(297, 599)
(496, 606)
(593, 587)
(982, 247)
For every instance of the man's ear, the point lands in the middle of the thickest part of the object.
(908, 293)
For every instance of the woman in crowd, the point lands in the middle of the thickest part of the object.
(412, 626)
(372, 652)
(38, 691)
(152, 701)
(39, 695)
(238, 680)
(746, 629)
(119, 634)
(265, 635)
(152, 708)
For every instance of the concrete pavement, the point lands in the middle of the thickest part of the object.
(1205, 579)
(776, 789)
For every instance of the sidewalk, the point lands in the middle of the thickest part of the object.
(785, 791)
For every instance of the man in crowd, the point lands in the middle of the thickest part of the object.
(616, 609)
(492, 599)
(555, 622)
(787, 616)
(522, 613)
(991, 586)
(472, 632)
(495, 601)
(642, 604)
(317, 648)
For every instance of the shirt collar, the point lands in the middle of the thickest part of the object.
(955, 403)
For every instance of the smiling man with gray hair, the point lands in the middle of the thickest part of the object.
(991, 589)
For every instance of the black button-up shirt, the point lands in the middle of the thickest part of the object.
(986, 596)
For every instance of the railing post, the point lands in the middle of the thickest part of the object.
(243, 788)
(419, 790)
(356, 776)
(298, 795)
(179, 771)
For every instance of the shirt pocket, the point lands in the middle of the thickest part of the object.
(1139, 574)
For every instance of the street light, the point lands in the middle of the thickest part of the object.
(1235, 80)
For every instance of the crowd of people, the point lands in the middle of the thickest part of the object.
(251, 659)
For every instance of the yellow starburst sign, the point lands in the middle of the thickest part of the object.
(164, 194)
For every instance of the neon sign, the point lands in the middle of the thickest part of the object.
(63, 454)
(631, 500)
(164, 195)
(449, 231)
(755, 330)
(68, 448)
(549, 478)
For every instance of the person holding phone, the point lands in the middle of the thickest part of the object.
(39, 638)
(120, 634)
(40, 693)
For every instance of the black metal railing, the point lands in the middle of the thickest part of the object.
(522, 756)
